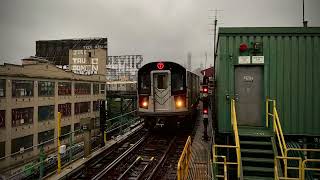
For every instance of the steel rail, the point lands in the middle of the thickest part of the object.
(145, 168)
(119, 159)
(102, 155)
(161, 161)
(139, 159)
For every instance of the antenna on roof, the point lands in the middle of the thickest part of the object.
(305, 23)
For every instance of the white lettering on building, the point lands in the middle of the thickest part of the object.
(82, 64)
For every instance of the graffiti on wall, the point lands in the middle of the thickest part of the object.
(83, 63)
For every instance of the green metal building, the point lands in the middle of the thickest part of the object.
(281, 63)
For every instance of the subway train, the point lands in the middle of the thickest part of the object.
(167, 94)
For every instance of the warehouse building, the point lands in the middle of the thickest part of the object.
(31, 95)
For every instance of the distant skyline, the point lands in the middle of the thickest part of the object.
(166, 29)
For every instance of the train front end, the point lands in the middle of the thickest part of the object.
(162, 93)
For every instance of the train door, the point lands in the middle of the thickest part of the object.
(249, 95)
(161, 83)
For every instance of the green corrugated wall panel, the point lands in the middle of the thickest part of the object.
(292, 75)
(316, 85)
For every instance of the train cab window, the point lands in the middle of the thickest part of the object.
(178, 82)
(144, 83)
(162, 81)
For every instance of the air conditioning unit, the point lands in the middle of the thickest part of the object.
(21, 150)
(22, 121)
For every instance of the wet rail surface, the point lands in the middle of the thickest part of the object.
(168, 170)
(143, 156)
(141, 160)
(96, 165)
(155, 157)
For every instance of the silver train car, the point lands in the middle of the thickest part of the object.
(167, 93)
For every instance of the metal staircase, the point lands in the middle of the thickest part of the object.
(257, 157)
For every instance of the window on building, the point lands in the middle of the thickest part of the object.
(46, 137)
(21, 144)
(102, 88)
(82, 107)
(2, 118)
(95, 106)
(22, 88)
(22, 116)
(82, 88)
(65, 130)
(2, 149)
(95, 88)
(46, 113)
(2, 87)
(64, 88)
(77, 128)
(65, 109)
(97, 123)
(46, 88)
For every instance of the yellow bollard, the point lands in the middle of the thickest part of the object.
(59, 143)
(105, 137)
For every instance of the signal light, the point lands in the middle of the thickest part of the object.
(205, 111)
(205, 89)
(243, 47)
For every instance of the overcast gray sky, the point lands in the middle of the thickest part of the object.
(162, 29)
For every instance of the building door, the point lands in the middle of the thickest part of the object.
(161, 90)
(249, 95)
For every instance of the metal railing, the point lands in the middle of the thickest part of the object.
(236, 147)
(301, 166)
(47, 161)
(183, 164)
(277, 129)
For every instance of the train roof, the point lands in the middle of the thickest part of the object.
(162, 65)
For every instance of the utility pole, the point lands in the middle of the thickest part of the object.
(215, 36)
(205, 63)
(215, 24)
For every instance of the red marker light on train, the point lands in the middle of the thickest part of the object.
(205, 111)
(160, 65)
(205, 89)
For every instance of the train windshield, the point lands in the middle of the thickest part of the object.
(144, 83)
(178, 82)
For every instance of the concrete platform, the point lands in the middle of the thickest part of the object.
(200, 164)
(80, 162)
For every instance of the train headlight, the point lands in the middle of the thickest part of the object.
(180, 101)
(143, 102)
